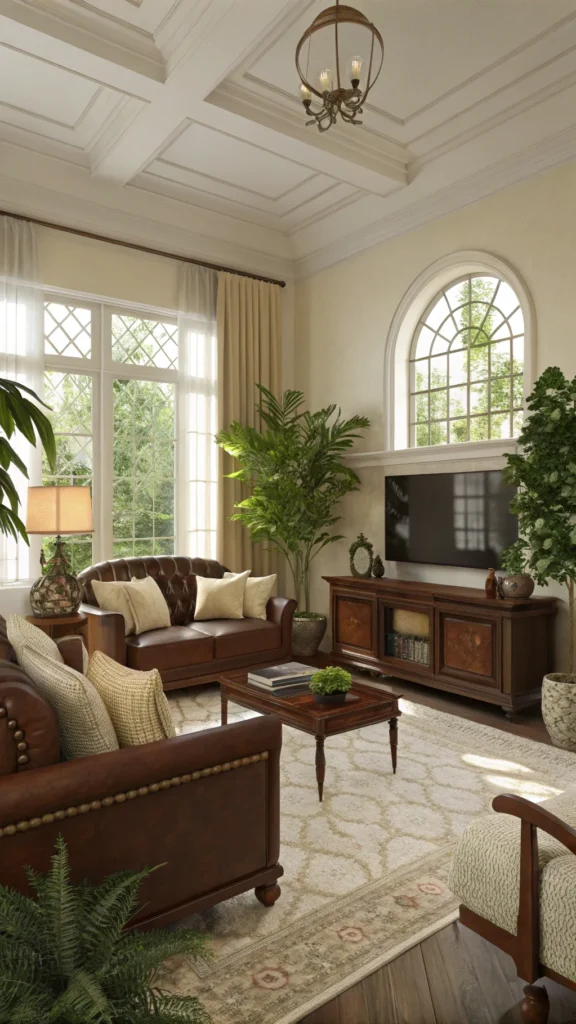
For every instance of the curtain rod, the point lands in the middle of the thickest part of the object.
(140, 248)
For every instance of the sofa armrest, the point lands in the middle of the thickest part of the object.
(280, 611)
(105, 631)
(205, 804)
(29, 736)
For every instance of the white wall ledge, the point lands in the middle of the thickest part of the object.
(464, 454)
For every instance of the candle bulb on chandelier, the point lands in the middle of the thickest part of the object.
(305, 95)
(326, 80)
(355, 70)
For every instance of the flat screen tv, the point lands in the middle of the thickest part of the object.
(449, 519)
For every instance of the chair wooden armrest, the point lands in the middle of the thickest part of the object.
(532, 817)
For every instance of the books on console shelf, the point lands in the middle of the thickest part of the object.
(281, 675)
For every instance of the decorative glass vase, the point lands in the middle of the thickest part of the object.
(57, 592)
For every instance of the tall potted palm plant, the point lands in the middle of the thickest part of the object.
(544, 470)
(295, 476)
(19, 415)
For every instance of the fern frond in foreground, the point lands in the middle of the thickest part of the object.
(65, 958)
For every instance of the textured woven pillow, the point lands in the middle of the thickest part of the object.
(259, 590)
(84, 724)
(135, 701)
(220, 599)
(112, 597)
(23, 634)
(147, 604)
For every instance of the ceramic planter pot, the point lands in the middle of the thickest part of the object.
(518, 585)
(559, 709)
(307, 635)
(332, 699)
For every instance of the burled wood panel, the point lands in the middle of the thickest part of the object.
(468, 646)
(354, 623)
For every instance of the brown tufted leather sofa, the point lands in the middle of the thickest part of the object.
(204, 805)
(186, 653)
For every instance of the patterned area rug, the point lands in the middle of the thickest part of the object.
(365, 871)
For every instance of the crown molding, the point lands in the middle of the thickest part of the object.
(55, 190)
(541, 157)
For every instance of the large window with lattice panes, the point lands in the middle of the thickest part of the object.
(111, 382)
(467, 364)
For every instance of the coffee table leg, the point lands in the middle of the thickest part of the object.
(320, 765)
(394, 742)
(223, 707)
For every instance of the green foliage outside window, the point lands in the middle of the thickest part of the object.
(544, 470)
(494, 376)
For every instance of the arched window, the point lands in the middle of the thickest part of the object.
(466, 366)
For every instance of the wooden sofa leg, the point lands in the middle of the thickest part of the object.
(268, 894)
(535, 1006)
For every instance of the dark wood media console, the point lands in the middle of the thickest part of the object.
(450, 638)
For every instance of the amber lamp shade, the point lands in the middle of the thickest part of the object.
(60, 511)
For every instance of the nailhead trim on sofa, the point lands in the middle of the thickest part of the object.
(131, 794)
(18, 737)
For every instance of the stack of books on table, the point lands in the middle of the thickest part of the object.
(281, 677)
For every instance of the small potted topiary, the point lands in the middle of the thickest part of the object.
(517, 582)
(330, 685)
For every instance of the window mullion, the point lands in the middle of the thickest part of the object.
(106, 435)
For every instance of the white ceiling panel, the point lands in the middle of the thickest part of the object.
(41, 89)
(431, 46)
(147, 15)
(228, 159)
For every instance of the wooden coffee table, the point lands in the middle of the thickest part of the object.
(365, 705)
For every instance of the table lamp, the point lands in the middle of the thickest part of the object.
(58, 510)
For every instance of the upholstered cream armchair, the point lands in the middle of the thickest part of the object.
(517, 882)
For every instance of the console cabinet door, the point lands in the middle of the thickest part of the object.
(469, 647)
(355, 624)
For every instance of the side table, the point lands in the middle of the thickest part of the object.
(57, 626)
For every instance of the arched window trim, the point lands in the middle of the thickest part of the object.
(411, 309)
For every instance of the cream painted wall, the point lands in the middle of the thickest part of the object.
(343, 316)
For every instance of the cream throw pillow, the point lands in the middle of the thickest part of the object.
(220, 599)
(147, 604)
(84, 724)
(259, 590)
(112, 597)
(134, 700)
(23, 634)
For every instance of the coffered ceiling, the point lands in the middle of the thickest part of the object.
(178, 121)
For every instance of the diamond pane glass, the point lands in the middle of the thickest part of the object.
(144, 468)
(481, 316)
(67, 330)
(144, 342)
(69, 396)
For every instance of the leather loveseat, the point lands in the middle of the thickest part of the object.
(188, 652)
(204, 805)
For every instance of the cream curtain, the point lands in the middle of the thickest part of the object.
(249, 353)
(197, 502)
(21, 359)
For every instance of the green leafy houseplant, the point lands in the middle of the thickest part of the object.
(331, 680)
(515, 559)
(19, 415)
(294, 472)
(65, 959)
(544, 471)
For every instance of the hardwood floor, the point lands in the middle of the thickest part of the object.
(453, 977)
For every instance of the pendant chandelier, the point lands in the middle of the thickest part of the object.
(344, 80)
